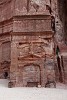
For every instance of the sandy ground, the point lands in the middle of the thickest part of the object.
(21, 93)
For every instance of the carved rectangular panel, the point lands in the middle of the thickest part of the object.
(32, 25)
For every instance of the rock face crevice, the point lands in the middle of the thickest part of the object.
(59, 9)
(62, 15)
(59, 12)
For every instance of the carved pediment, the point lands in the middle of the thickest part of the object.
(31, 50)
(30, 56)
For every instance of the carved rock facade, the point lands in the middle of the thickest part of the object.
(26, 42)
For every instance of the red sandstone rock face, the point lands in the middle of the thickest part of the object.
(31, 7)
(6, 9)
(30, 38)
(13, 8)
(27, 27)
(32, 25)
(30, 51)
(10, 8)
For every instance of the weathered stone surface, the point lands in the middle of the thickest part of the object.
(33, 25)
(27, 40)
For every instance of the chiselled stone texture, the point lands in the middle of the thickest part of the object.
(59, 10)
(31, 7)
(6, 9)
(59, 30)
(9, 8)
(26, 42)
(32, 24)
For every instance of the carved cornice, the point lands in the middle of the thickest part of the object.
(50, 33)
(6, 21)
(16, 18)
(48, 17)
(10, 22)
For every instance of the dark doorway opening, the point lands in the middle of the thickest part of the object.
(60, 69)
(5, 75)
